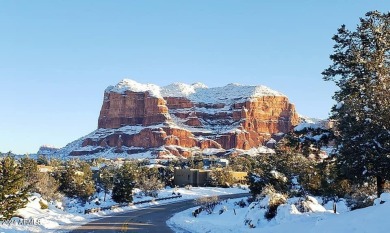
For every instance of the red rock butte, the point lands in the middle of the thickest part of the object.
(178, 119)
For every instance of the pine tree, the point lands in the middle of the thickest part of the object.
(307, 141)
(220, 178)
(268, 170)
(195, 162)
(13, 192)
(124, 182)
(86, 183)
(361, 69)
(30, 169)
(106, 179)
(240, 163)
(166, 175)
(42, 160)
(65, 176)
(76, 180)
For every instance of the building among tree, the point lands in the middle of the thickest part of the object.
(199, 177)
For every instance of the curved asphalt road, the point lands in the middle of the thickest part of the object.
(151, 219)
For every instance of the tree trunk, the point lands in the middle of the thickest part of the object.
(380, 185)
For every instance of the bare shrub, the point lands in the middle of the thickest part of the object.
(208, 203)
(47, 186)
(240, 203)
(361, 196)
(150, 186)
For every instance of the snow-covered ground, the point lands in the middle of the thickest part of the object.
(54, 219)
(319, 219)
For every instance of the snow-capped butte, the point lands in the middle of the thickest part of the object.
(197, 92)
(180, 120)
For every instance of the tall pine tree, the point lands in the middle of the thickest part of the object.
(361, 70)
(30, 169)
(106, 179)
(124, 182)
(13, 191)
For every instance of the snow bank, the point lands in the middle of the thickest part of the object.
(40, 220)
(311, 205)
(288, 219)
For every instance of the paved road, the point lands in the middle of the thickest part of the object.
(152, 219)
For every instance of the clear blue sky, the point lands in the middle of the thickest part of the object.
(57, 57)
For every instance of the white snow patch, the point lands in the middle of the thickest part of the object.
(181, 89)
(339, 105)
(303, 126)
(131, 85)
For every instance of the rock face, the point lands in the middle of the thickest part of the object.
(179, 118)
(132, 108)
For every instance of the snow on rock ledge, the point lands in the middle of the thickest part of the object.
(197, 92)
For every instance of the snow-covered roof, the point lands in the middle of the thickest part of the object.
(197, 92)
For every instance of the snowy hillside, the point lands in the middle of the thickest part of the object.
(103, 152)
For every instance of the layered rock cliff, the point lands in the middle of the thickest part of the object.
(181, 119)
